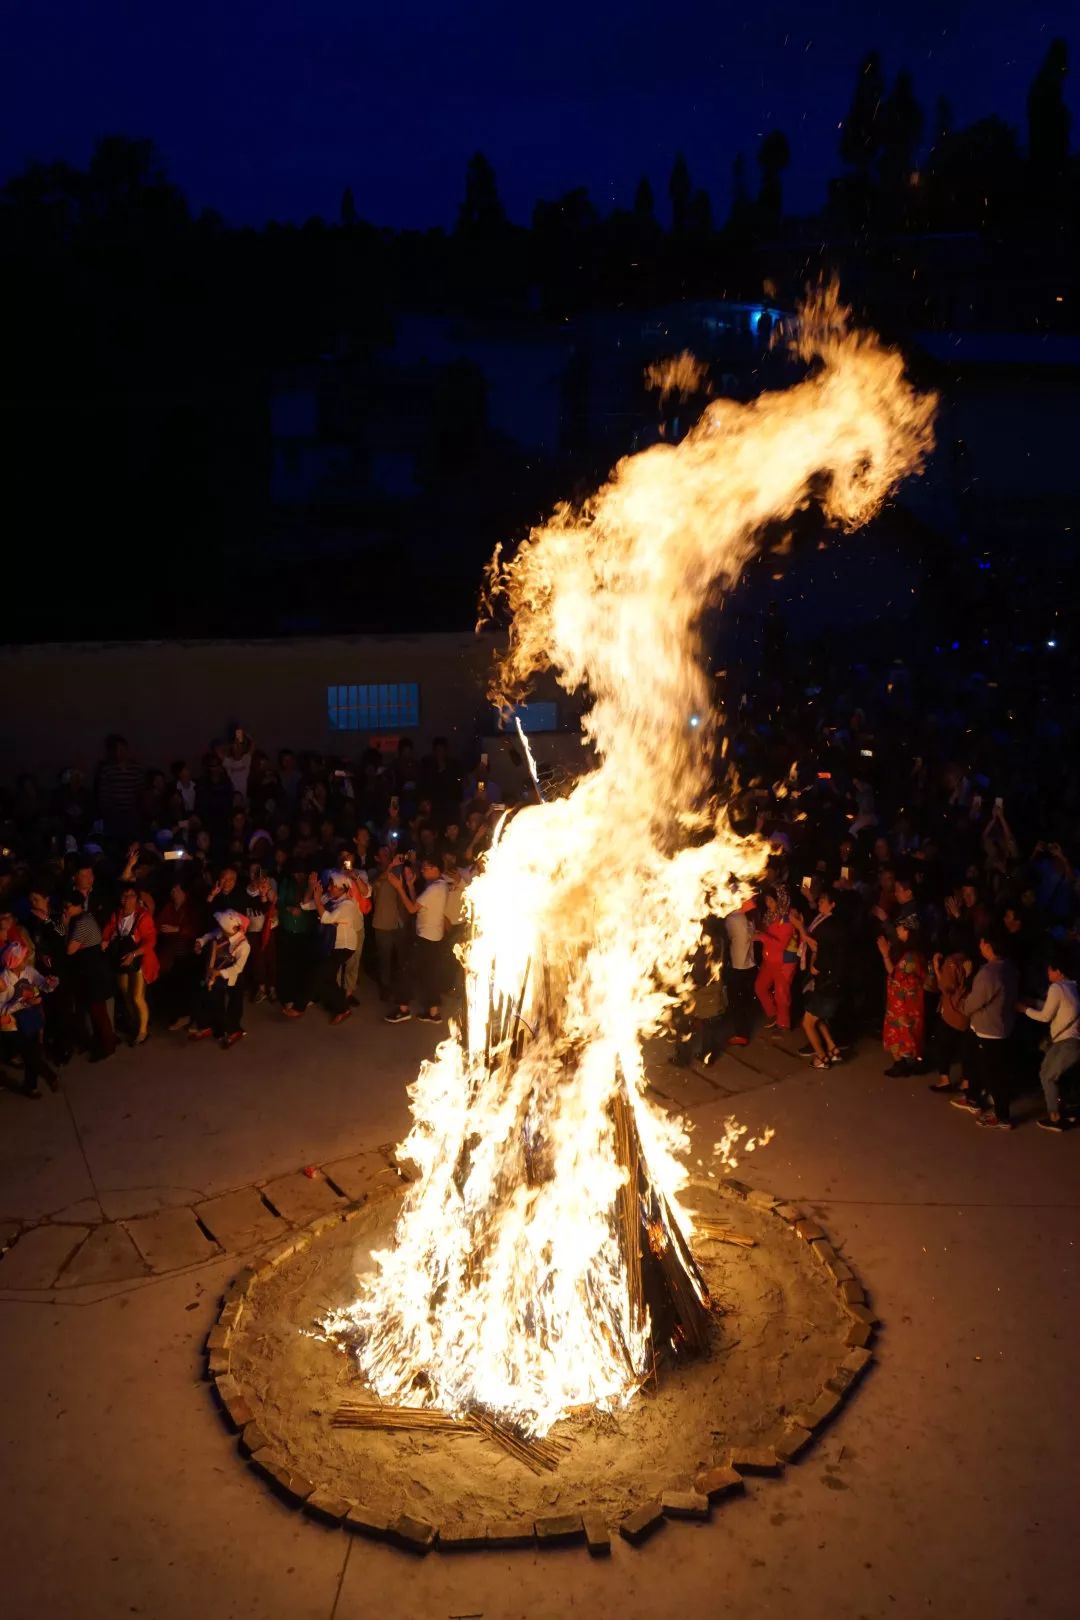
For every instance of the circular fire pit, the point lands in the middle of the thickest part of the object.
(790, 1339)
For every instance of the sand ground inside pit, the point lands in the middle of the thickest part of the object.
(778, 1340)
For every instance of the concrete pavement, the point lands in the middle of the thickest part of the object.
(947, 1485)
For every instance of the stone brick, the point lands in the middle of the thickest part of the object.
(253, 1438)
(685, 1505)
(268, 1462)
(229, 1315)
(851, 1292)
(234, 1401)
(642, 1523)
(755, 1460)
(857, 1336)
(809, 1231)
(327, 1505)
(415, 1535)
(838, 1269)
(819, 1411)
(462, 1538)
(364, 1521)
(858, 1361)
(716, 1483)
(823, 1252)
(238, 1288)
(511, 1533)
(217, 1363)
(794, 1439)
(862, 1313)
(760, 1199)
(739, 1188)
(558, 1529)
(597, 1536)
(218, 1338)
(840, 1381)
(789, 1212)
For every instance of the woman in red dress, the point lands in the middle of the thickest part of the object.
(905, 1013)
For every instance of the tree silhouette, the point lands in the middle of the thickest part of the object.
(774, 155)
(1048, 117)
(348, 208)
(860, 135)
(481, 212)
(644, 206)
(680, 191)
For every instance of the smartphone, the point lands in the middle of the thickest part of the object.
(806, 882)
(393, 836)
(976, 804)
(347, 863)
(174, 854)
(824, 776)
(867, 753)
(480, 786)
(999, 805)
(845, 873)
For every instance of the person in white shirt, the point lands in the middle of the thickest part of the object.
(184, 785)
(343, 932)
(1061, 1010)
(21, 1017)
(429, 956)
(360, 890)
(219, 1003)
(236, 760)
(740, 970)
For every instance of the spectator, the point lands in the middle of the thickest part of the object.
(949, 1040)
(389, 921)
(178, 928)
(119, 787)
(218, 1008)
(1061, 1011)
(184, 786)
(440, 782)
(236, 758)
(91, 978)
(340, 916)
(821, 1001)
(991, 1007)
(905, 976)
(360, 891)
(429, 910)
(778, 938)
(740, 970)
(22, 1021)
(130, 936)
(295, 939)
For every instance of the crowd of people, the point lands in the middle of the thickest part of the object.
(897, 897)
(146, 901)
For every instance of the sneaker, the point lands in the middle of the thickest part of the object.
(292, 1012)
(962, 1100)
(398, 1016)
(739, 1040)
(199, 1034)
(990, 1122)
(1057, 1125)
(436, 1018)
(231, 1040)
(339, 1018)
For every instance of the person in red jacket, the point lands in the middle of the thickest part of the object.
(130, 938)
(779, 937)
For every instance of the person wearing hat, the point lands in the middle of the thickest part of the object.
(22, 1021)
(343, 928)
(219, 1003)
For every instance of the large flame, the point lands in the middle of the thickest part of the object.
(507, 1288)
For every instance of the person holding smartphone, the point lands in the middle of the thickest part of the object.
(429, 910)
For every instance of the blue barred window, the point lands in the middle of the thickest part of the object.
(388, 706)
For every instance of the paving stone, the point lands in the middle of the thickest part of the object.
(327, 1505)
(170, 1239)
(108, 1255)
(559, 1528)
(789, 1212)
(415, 1535)
(365, 1521)
(862, 1313)
(300, 1198)
(685, 1505)
(819, 1411)
(463, 1538)
(36, 1257)
(512, 1533)
(716, 1483)
(810, 1231)
(794, 1440)
(755, 1460)
(597, 1535)
(364, 1176)
(858, 1335)
(253, 1438)
(642, 1523)
(239, 1220)
(851, 1292)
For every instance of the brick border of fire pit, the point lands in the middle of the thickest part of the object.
(711, 1487)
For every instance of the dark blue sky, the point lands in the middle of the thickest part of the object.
(268, 109)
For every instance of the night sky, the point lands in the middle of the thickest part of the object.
(265, 109)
